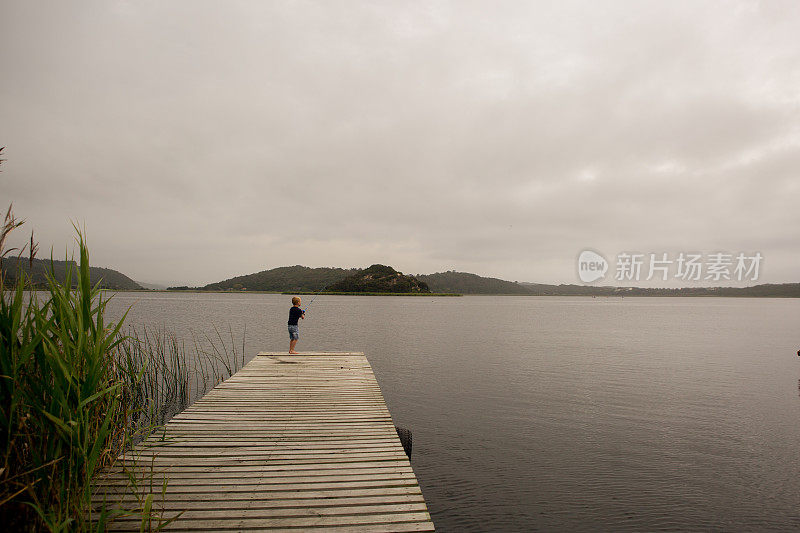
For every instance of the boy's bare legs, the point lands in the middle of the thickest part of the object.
(292, 344)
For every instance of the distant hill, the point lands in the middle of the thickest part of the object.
(543, 289)
(304, 279)
(109, 278)
(152, 286)
(466, 283)
(780, 290)
(292, 278)
(379, 278)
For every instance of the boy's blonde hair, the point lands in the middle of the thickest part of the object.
(295, 300)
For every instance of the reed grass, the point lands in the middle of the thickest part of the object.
(76, 391)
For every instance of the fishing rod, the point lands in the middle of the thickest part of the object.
(315, 297)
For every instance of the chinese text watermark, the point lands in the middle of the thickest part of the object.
(684, 266)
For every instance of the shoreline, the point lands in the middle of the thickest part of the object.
(449, 294)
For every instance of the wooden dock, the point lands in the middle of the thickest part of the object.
(290, 442)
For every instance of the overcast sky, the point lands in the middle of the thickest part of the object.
(201, 140)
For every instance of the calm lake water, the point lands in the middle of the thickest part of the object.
(562, 414)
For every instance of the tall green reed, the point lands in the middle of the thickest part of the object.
(171, 376)
(59, 399)
(76, 391)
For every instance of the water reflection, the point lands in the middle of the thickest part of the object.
(563, 414)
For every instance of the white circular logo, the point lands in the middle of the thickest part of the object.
(591, 266)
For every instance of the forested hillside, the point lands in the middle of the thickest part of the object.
(108, 278)
(291, 278)
(379, 278)
(466, 283)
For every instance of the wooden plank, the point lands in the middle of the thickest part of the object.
(237, 469)
(215, 440)
(213, 479)
(286, 461)
(257, 494)
(244, 443)
(319, 354)
(301, 503)
(242, 524)
(300, 512)
(396, 527)
(296, 465)
(287, 443)
(176, 474)
(185, 449)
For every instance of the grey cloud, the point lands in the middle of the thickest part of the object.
(199, 141)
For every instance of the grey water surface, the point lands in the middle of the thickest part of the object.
(561, 414)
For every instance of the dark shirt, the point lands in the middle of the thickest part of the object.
(294, 314)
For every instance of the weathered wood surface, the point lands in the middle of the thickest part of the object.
(290, 442)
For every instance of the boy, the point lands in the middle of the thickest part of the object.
(295, 313)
